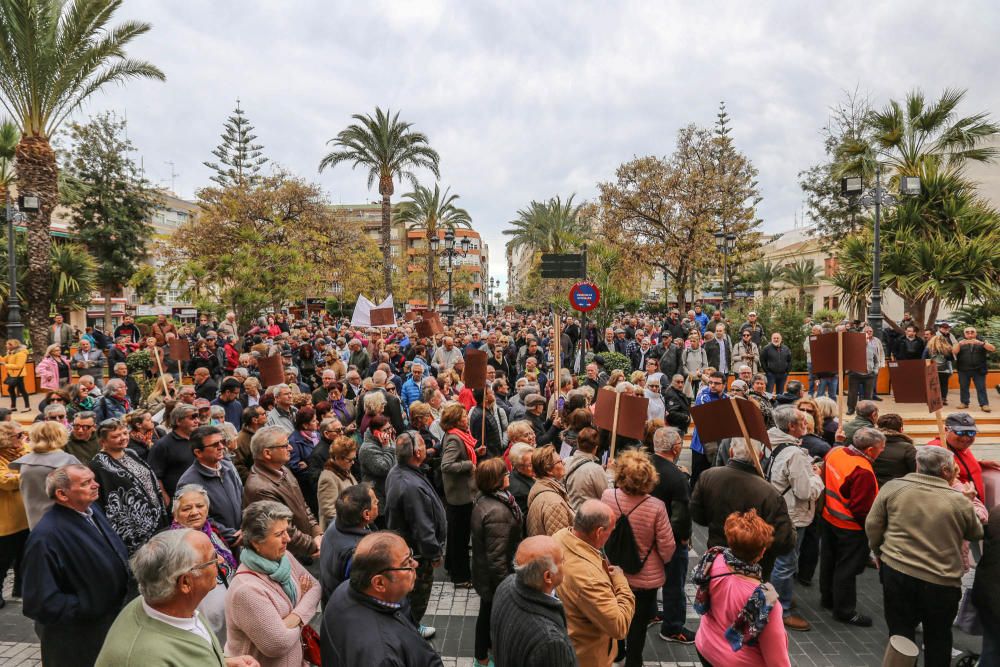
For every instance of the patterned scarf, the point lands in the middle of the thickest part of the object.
(752, 619)
(508, 499)
(217, 542)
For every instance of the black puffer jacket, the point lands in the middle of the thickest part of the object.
(496, 532)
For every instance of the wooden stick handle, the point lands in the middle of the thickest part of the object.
(614, 426)
(746, 436)
(840, 379)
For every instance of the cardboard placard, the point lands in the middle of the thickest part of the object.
(823, 349)
(916, 381)
(474, 375)
(631, 413)
(179, 350)
(382, 317)
(430, 325)
(409, 316)
(271, 370)
(717, 420)
(509, 309)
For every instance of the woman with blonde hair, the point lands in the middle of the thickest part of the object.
(13, 520)
(15, 361)
(813, 439)
(53, 369)
(47, 442)
(635, 478)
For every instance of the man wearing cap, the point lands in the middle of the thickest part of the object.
(970, 362)
(960, 433)
(755, 328)
(535, 404)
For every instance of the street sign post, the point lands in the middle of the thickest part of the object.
(584, 296)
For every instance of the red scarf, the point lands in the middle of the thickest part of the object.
(468, 440)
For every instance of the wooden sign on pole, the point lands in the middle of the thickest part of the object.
(839, 352)
(620, 413)
(556, 340)
(733, 418)
(840, 379)
(916, 381)
(746, 437)
(614, 426)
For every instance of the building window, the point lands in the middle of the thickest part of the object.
(831, 302)
(829, 266)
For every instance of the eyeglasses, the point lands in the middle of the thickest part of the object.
(202, 566)
(965, 434)
(284, 446)
(57, 399)
(84, 426)
(411, 565)
(348, 459)
(55, 418)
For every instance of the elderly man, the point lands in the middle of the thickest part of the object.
(75, 571)
(585, 476)
(737, 487)
(357, 508)
(971, 363)
(82, 441)
(528, 624)
(270, 479)
(204, 386)
(358, 357)
(214, 473)
(328, 381)
(411, 388)
(414, 510)
(171, 456)
(175, 570)
(366, 621)
(851, 487)
(545, 432)
(129, 492)
(673, 491)
(283, 413)
(960, 433)
(792, 472)
(867, 417)
(254, 418)
(114, 404)
(88, 361)
(595, 594)
(916, 528)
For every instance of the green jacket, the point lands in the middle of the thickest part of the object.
(136, 640)
(852, 427)
(917, 525)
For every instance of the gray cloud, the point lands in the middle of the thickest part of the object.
(527, 100)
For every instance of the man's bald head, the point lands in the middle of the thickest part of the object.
(594, 522)
(538, 563)
(375, 553)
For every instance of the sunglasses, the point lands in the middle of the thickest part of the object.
(965, 434)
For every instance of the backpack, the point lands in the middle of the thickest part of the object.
(767, 465)
(621, 547)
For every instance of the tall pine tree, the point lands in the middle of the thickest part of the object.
(110, 202)
(240, 159)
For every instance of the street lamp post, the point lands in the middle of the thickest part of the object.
(725, 243)
(450, 251)
(852, 187)
(26, 203)
(493, 284)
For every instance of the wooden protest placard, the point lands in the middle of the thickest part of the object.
(916, 381)
(732, 418)
(430, 324)
(179, 349)
(409, 316)
(620, 413)
(271, 370)
(382, 317)
(474, 375)
(836, 353)
(509, 309)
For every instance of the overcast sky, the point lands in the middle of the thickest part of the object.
(526, 100)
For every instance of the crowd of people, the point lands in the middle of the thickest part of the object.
(220, 519)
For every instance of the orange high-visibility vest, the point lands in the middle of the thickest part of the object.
(837, 467)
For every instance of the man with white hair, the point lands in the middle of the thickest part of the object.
(916, 528)
(88, 361)
(283, 412)
(791, 471)
(175, 570)
(446, 355)
(393, 408)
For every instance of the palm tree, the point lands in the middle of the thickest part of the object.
(905, 135)
(762, 275)
(552, 226)
(432, 210)
(9, 136)
(53, 56)
(801, 275)
(389, 149)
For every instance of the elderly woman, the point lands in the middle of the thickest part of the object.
(377, 456)
(459, 455)
(548, 503)
(303, 440)
(694, 360)
(190, 510)
(339, 407)
(13, 520)
(336, 477)
(272, 596)
(740, 614)
(15, 361)
(496, 532)
(53, 369)
(374, 402)
(47, 441)
(251, 387)
(635, 478)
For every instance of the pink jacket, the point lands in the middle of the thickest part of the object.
(48, 374)
(254, 608)
(981, 513)
(728, 595)
(649, 521)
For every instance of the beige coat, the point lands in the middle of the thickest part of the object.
(598, 605)
(548, 507)
(330, 486)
